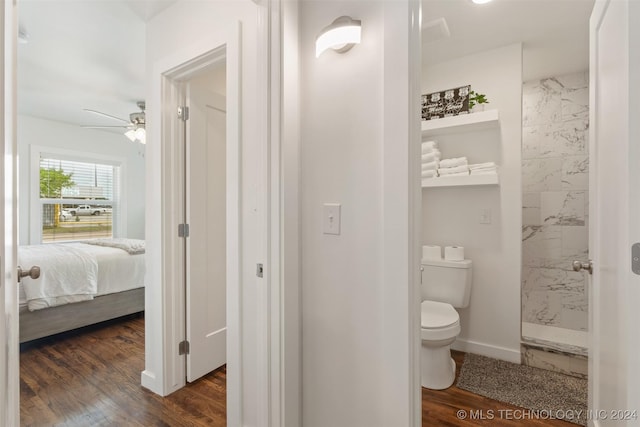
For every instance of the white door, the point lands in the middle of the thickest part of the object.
(207, 242)
(614, 212)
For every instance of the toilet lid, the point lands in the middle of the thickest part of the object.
(438, 315)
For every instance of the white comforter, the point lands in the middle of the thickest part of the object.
(67, 275)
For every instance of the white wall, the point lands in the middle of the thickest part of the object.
(181, 32)
(491, 323)
(48, 133)
(356, 337)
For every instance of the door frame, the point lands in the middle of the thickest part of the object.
(166, 305)
(10, 355)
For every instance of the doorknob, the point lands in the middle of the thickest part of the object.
(579, 265)
(33, 272)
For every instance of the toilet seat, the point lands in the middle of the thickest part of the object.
(436, 315)
(439, 321)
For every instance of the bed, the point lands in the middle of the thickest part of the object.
(80, 284)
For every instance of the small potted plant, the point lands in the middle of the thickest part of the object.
(477, 101)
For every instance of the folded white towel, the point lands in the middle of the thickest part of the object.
(484, 172)
(428, 158)
(488, 165)
(485, 169)
(455, 174)
(449, 171)
(431, 157)
(429, 174)
(429, 145)
(430, 166)
(452, 163)
(429, 149)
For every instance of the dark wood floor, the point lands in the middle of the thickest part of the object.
(93, 379)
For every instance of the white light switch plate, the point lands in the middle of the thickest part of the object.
(331, 218)
(485, 216)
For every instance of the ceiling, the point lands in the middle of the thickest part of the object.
(554, 33)
(91, 54)
(83, 54)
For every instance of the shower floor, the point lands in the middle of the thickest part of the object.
(555, 349)
(560, 339)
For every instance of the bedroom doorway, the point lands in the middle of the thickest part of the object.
(199, 123)
(80, 176)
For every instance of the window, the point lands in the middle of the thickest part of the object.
(77, 199)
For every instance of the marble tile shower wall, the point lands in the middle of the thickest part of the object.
(555, 177)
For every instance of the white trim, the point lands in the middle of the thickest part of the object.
(487, 350)
(9, 357)
(234, 230)
(35, 213)
(415, 209)
(279, 372)
(164, 371)
(401, 210)
(593, 360)
(267, 333)
(291, 345)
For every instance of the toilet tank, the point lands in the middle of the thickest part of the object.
(447, 281)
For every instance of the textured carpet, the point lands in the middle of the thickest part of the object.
(544, 394)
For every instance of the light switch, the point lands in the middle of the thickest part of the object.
(485, 216)
(331, 218)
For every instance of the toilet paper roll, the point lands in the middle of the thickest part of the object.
(454, 253)
(431, 252)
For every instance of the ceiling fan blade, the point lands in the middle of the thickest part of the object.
(107, 115)
(104, 127)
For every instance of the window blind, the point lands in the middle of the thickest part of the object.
(79, 199)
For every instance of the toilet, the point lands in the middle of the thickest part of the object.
(444, 285)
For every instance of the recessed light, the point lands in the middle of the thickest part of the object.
(480, 1)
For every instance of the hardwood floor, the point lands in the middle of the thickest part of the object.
(93, 379)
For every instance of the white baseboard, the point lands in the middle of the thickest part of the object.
(487, 350)
(148, 381)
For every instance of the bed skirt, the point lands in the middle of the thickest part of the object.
(53, 320)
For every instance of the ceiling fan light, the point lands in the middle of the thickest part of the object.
(141, 135)
(131, 134)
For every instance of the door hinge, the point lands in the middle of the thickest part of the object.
(183, 113)
(183, 348)
(183, 230)
(635, 258)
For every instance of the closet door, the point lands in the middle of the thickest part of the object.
(207, 241)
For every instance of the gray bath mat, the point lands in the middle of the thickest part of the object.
(544, 394)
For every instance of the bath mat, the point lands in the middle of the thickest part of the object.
(544, 394)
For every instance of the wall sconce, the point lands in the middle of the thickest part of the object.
(340, 36)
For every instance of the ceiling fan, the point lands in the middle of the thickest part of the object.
(135, 125)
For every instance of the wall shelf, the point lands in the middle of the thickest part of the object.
(461, 181)
(462, 123)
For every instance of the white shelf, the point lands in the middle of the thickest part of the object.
(462, 123)
(461, 181)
